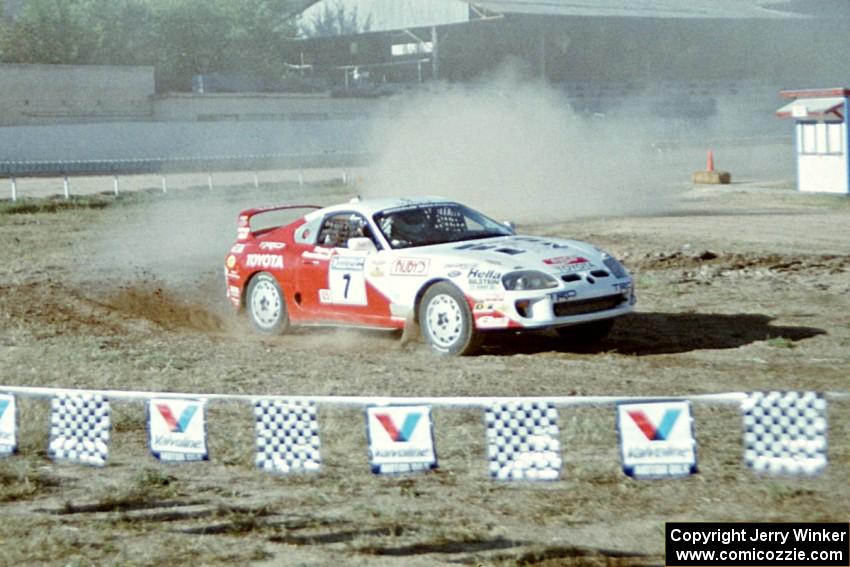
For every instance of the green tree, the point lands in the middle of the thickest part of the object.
(204, 36)
(335, 19)
(47, 31)
(181, 38)
(121, 31)
(191, 39)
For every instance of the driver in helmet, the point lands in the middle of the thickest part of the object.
(406, 227)
(356, 226)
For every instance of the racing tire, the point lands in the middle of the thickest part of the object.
(446, 322)
(587, 333)
(266, 306)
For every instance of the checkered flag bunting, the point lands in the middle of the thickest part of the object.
(79, 429)
(522, 441)
(785, 432)
(287, 436)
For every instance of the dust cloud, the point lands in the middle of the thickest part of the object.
(516, 149)
(168, 236)
(168, 251)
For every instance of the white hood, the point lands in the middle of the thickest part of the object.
(520, 252)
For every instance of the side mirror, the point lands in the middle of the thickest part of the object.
(361, 244)
(510, 224)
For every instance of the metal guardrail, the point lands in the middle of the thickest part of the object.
(175, 165)
(11, 169)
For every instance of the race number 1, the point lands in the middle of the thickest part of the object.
(346, 280)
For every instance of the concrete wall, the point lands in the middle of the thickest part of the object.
(54, 94)
(176, 140)
(185, 107)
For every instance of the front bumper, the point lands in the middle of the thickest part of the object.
(541, 309)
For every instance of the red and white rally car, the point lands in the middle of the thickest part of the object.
(386, 263)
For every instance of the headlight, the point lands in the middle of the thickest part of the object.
(528, 279)
(614, 265)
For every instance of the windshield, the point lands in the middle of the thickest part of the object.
(437, 223)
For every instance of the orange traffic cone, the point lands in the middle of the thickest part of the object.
(710, 176)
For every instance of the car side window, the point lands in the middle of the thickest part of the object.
(338, 228)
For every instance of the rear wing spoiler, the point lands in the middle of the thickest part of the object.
(243, 224)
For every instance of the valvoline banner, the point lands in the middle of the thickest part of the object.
(401, 439)
(656, 439)
(8, 438)
(177, 429)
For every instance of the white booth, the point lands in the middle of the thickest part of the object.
(821, 134)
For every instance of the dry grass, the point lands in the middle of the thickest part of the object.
(73, 316)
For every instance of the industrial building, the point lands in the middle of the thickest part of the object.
(595, 49)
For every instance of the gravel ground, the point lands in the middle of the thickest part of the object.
(740, 288)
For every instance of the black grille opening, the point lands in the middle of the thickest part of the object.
(583, 306)
(600, 273)
(571, 278)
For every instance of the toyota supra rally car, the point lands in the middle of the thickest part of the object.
(387, 263)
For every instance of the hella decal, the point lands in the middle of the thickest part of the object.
(264, 261)
(483, 278)
(410, 267)
(237, 249)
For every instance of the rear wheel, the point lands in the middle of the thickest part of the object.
(446, 321)
(587, 333)
(266, 306)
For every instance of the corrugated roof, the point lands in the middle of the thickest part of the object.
(718, 9)
(812, 107)
(816, 93)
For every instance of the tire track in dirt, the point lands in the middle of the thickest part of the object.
(58, 308)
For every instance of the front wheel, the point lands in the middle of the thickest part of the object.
(446, 321)
(265, 304)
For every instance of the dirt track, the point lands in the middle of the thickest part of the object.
(740, 288)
